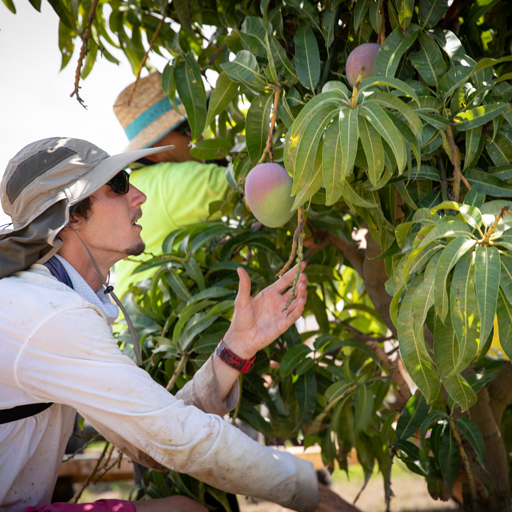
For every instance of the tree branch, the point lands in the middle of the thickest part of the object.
(83, 51)
(268, 147)
(456, 166)
(500, 391)
(143, 62)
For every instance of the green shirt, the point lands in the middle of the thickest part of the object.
(178, 196)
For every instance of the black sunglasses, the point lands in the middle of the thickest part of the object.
(120, 183)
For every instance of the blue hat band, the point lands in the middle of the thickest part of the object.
(147, 117)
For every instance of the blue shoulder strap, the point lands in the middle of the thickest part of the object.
(57, 269)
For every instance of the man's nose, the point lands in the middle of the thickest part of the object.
(136, 196)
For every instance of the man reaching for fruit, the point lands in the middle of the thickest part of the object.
(74, 215)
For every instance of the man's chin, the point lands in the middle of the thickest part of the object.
(135, 249)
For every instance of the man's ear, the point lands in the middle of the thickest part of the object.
(75, 221)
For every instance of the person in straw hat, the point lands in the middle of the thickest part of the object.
(178, 187)
(74, 214)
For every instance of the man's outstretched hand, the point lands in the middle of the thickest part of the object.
(258, 321)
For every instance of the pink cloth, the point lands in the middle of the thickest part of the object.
(96, 506)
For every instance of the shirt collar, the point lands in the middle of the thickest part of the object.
(98, 298)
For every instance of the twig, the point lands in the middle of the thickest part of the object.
(82, 448)
(504, 211)
(237, 408)
(456, 166)
(393, 367)
(268, 147)
(387, 483)
(442, 174)
(83, 51)
(177, 372)
(382, 35)
(91, 474)
(476, 487)
(356, 88)
(143, 62)
(298, 230)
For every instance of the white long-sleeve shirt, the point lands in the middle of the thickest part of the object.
(57, 347)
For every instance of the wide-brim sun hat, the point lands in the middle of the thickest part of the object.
(150, 114)
(41, 183)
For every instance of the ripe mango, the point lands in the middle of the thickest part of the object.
(362, 56)
(267, 192)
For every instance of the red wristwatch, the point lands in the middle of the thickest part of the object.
(231, 359)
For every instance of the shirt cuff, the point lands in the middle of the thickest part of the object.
(203, 392)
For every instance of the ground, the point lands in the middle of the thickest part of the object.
(410, 493)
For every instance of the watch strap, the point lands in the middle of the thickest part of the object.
(231, 359)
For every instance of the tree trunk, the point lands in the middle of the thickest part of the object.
(499, 499)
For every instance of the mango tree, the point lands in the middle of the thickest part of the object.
(400, 156)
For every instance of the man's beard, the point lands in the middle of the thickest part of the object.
(135, 249)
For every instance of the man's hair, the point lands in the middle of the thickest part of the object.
(84, 208)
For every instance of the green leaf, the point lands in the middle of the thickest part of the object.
(389, 82)
(506, 276)
(405, 10)
(464, 311)
(329, 24)
(452, 253)
(437, 121)
(194, 272)
(391, 52)
(252, 416)
(432, 417)
(429, 61)
(281, 61)
(224, 92)
(36, 4)
(195, 326)
(446, 353)
(211, 149)
(479, 9)
(175, 282)
(305, 393)
(315, 181)
(361, 8)
(186, 315)
(374, 151)
(391, 101)
(488, 184)
(364, 402)
(309, 143)
(348, 122)
(473, 148)
(499, 149)
(478, 116)
(430, 12)
(307, 57)
(388, 131)
(487, 281)
(332, 164)
(10, 5)
(350, 194)
(375, 16)
(292, 358)
(423, 298)
(337, 391)
(453, 79)
(504, 314)
(215, 292)
(412, 416)
(258, 125)
(183, 11)
(307, 12)
(65, 15)
(448, 229)
(192, 94)
(488, 62)
(253, 34)
(245, 69)
(471, 432)
(450, 456)
(413, 349)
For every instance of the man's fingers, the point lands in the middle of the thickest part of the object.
(288, 278)
(244, 288)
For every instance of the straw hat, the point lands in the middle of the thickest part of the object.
(150, 115)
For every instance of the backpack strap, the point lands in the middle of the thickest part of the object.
(25, 411)
(22, 411)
